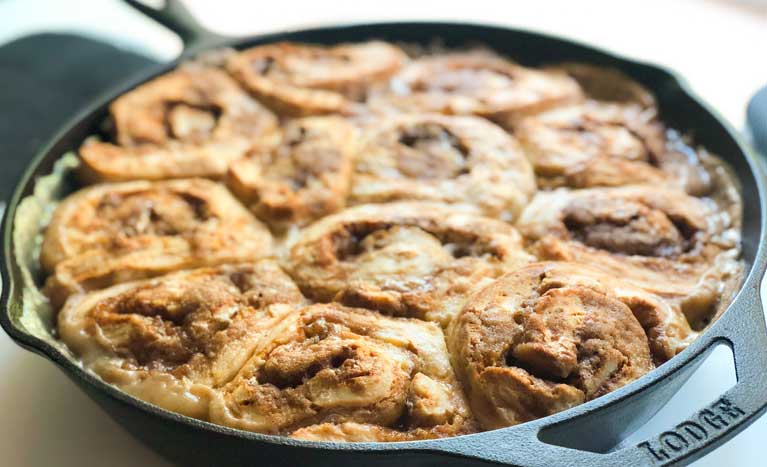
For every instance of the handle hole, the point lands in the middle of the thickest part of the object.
(709, 381)
(650, 412)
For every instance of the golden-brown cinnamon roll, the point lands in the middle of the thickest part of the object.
(457, 160)
(542, 339)
(475, 82)
(413, 259)
(113, 233)
(341, 374)
(301, 79)
(607, 84)
(305, 176)
(173, 340)
(660, 239)
(597, 143)
(188, 123)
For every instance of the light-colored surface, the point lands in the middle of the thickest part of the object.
(46, 421)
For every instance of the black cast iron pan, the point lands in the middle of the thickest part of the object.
(584, 435)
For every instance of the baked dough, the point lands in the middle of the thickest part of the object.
(303, 177)
(477, 82)
(191, 122)
(412, 259)
(457, 160)
(301, 79)
(542, 339)
(112, 233)
(173, 340)
(596, 143)
(349, 375)
(669, 243)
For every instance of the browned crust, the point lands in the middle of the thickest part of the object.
(112, 233)
(270, 72)
(303, 177)
(188, 123)
(457, 160)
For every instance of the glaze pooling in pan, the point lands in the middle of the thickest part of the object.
(111, 233)
(191, 122)
(456, 242)
(457, 160)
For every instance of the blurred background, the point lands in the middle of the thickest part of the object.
(719, 46)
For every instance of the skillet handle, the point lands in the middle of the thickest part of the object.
(742, 327)
(176, 17)
(757, 120)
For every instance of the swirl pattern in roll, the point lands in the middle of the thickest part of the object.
(339, 374)
(543, 339)
(674, 245)
(301, 79)
(191, 122)
(414, 259)
(597, 143)
(457, 160)
(477, 82)
(112, 233)
(305, 176)
(173, 340)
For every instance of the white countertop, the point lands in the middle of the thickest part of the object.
(721, 48)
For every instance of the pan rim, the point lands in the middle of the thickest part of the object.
(8, 269)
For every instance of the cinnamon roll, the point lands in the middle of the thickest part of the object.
(304, 177)
(188, 123)
(405, 259)
(301, 79)
(113, 233)
(477, 82)
(595, 143)
(341, 374)
(607, 84)
(173, 340)
(543, 339)
(457, 160)
(660, 239)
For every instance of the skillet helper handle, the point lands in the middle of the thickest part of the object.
(176, 17)
(742, 327)
(756, 119)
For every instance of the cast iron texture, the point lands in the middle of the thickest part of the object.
(583, 435)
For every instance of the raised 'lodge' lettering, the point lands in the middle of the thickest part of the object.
(690, 433)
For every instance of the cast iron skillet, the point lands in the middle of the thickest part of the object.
(584, 435)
